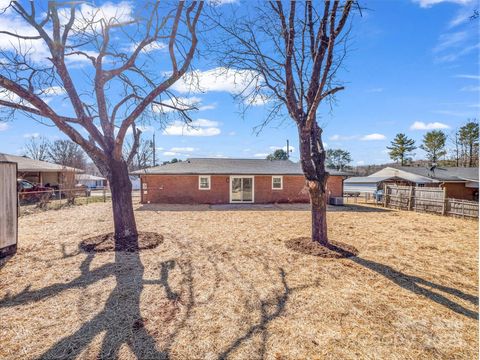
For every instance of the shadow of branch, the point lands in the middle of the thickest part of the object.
(412, 283)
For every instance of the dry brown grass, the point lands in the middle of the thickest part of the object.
(223, 284)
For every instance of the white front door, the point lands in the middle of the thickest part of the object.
(241, 189)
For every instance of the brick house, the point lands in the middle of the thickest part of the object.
(224, 181)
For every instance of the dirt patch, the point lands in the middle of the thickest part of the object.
(106, 242)
(335, 250)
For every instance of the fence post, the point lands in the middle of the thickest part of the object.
(410, 194)
(444, 207)
(385, 188)
(104, 195)
(463, 209)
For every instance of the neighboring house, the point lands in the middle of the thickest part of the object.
(458, 182)
(40, 172)
(223, 181)
(91, 181)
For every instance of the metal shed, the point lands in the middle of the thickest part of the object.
(8, 208)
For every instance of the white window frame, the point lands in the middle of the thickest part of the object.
(200, 182)
(281, 182)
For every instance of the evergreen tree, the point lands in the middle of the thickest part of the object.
(434, 145)
(401, 148)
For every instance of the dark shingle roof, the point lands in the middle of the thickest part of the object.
(212, 166)
(444, 174)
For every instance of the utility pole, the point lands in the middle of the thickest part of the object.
(288, 149)
(153, 144)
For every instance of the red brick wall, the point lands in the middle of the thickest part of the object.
(183, 189)
(459, 191)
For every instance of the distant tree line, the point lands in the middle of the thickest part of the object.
(62, 152)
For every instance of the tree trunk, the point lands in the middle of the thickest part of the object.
(312, 156)
(319, 212)
(126, 235)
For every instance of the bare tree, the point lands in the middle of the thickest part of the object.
(143, 157)
(37, 148)
(292, 51)
(120, 85)
(67, 153)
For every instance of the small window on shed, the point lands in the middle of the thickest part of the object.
(204, 182)
(277, 182)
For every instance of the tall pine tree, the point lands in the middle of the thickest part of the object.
(401, 148)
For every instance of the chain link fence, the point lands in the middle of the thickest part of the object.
(37, 201)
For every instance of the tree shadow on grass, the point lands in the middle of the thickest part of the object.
(120, 318)
(413, 284)
(278, 305)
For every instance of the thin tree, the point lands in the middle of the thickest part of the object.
(36, 148)
(67, 153)
(143, 157)
(120, 84)
(401, 148)
(278, 154)
(290, 53)
(434, 145)
(338, 159)
(469, 138)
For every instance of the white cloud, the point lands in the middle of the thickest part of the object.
(429, 3)
(471, 88)
(454, 45)
(208, 107)
(463, 76)
(31, 135)
(142, 128)
(232, 133)
(375, 90)
(337, 137)
(3, 126)
(461, 17)
(420, 125)
(261, 155)
(200, 127)
(221, 2)
(204, 123)
(53, 91)
(373, 137)
(7, 95)
(361, 162)
(217, 79)
(37, 51)
(182, 149)
(449, 40)
(181, 103)
(170, 153)
(154, 46)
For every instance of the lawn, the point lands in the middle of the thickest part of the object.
(224, 285)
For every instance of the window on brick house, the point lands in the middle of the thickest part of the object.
(277, 182)
(204, 182)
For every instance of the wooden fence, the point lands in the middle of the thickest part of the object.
(427, 199)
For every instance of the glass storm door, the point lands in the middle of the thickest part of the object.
(241, 189)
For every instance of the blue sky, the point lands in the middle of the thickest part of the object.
(413, 66)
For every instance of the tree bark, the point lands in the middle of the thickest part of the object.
(313, 166)
(126, 235)
(319, 212)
